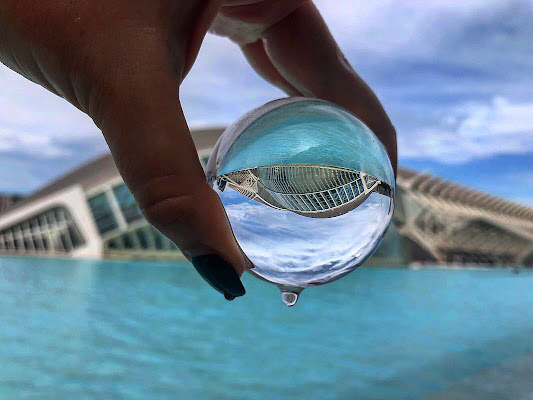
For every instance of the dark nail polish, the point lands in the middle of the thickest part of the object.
(219, 274)
(229, 297)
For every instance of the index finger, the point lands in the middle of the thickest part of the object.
(145, 128)
(301, 51)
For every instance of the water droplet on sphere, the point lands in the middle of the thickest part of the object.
(289, 298)
(308, 190)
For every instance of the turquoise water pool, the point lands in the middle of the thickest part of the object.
(137, 330)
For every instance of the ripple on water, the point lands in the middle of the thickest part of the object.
(111, 329)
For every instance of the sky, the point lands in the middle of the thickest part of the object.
(454, 76)
(312, 249)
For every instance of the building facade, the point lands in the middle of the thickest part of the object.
(90, 212)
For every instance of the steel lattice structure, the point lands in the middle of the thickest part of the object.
(448, 223)
(311, 190)
(90, 213)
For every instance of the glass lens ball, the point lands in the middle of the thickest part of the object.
(308, 190)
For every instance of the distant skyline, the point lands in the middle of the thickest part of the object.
(454, 76)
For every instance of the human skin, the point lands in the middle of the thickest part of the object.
(122, 63)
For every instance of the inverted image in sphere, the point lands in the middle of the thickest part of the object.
(308, 190)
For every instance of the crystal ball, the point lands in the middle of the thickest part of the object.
(308, 190)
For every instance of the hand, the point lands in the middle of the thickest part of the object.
(288, 43)
(122, 62)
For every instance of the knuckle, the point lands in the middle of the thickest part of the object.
(166, 201)
(179, 209)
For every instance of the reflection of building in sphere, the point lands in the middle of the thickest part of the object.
(309, 190)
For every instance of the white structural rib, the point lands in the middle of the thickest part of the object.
(310, 190)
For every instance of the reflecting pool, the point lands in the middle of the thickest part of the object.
(75, 329)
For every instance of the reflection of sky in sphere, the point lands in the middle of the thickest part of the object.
(291, 249)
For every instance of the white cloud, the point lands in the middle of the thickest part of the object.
(25, 104)
(389, 26)
(433, 34)
(501, 117)
(473, 131)
(16, 175)
(30, 144)
(33, 121)
(222, 86)
(406, 50)
(290, 248)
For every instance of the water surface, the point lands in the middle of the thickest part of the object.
(135, 330)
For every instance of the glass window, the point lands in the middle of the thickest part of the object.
(75, 236)
(65, 240)
(158, 239)
(162, 242)
(58, 215)
(49, 218)
(102, 213)
(128, 243)
(46, 243)
(349, 191)
(11, 239)
(17, 234)
(143, 240)
(128, 206)
(204, 160)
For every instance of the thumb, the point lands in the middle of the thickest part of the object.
(121, 62)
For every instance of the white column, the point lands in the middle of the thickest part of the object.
(45, 229)
(28, 236)
(364, 182)
(64, 229)
(11, 239)
(55, 232)
(19, 237)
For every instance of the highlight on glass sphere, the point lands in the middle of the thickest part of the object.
(308, 189)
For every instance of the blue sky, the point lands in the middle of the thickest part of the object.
(454, 76)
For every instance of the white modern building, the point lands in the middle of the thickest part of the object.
(311, 190)
(89, 212)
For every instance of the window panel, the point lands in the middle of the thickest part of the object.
(143, 240)
(35, 234)
(127, 203)
(103, 213)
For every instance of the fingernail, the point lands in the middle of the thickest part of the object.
(219, 274)
(229, 297)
